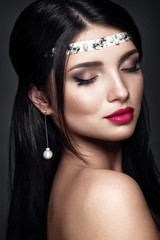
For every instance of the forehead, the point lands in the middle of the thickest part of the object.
(94, 32)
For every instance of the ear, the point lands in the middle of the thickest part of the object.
(40, 100)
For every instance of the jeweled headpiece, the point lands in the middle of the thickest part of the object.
(96, 44)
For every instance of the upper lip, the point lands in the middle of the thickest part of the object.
(121, 112)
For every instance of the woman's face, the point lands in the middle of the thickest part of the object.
(99, 83)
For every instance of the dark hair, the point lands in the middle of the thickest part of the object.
(40, 27)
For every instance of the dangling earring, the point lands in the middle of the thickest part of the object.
(47, 154)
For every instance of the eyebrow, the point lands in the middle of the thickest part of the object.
(98, 63)
(86, 64)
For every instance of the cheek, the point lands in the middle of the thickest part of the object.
(81, 100)
(136, 93)
(136, 89)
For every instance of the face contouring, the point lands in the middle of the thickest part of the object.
(99, 83)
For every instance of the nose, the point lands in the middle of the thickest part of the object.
(118, 90)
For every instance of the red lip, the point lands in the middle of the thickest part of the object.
(124, 115)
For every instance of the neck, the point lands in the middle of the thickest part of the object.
(97, 154)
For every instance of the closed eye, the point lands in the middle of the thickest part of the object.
(136, 67)
(85, 81)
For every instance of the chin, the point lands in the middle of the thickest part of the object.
(122, 135)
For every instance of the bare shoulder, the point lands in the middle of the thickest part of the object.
(109, 205)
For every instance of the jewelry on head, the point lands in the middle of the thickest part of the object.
(47, 154)
(96, 44)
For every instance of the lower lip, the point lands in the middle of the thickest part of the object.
(124, 118)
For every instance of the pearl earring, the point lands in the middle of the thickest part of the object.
(47, 154)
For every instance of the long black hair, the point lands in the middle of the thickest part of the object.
(44, 25)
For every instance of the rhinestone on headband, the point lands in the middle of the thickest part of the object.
(97, 44)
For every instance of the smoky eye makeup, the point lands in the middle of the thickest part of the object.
(131, 64)
(85, 77)
(85, 81)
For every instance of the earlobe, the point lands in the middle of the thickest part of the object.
(40, 101)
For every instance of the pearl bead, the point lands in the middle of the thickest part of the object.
(85, 47)
(111, 39)
(47, 154)
(116, 41)
(120, 36)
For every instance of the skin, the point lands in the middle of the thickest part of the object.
(95, 199)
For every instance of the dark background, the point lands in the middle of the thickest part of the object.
(147, 17)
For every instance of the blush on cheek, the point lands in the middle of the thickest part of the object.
(81, 103)
(139, 90)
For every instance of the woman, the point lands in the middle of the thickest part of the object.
(80, 94)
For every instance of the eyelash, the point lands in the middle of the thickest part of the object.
(86, 81)
(132, 69)
(92, 80)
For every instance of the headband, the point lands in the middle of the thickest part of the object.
(96, 44)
